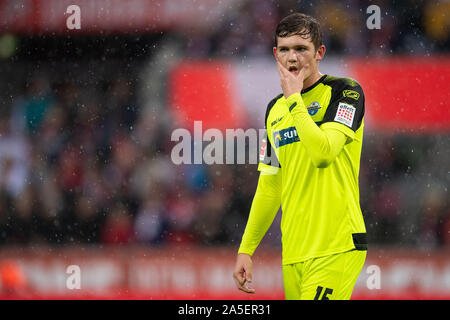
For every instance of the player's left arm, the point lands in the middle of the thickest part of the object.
(342, 118)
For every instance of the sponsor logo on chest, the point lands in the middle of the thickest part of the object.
(285, 136)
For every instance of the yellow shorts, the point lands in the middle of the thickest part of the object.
(331, 277)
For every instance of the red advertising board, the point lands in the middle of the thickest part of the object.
(409, 94)
(406, 93)
(204, 91)
(201, 273)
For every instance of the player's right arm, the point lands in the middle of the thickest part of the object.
(265, 205)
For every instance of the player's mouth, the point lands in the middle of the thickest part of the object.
(293, 69)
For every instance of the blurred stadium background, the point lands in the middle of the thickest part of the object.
(86, 176)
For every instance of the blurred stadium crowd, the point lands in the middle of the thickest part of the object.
(83, 162)
(408, 27)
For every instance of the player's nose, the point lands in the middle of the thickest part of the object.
(292, 56)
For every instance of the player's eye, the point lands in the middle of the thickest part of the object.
(283, 49)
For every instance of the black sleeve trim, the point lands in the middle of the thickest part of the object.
(360, 241)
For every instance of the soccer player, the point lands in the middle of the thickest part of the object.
(309, 165)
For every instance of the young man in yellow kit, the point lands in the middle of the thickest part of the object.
(309, 165)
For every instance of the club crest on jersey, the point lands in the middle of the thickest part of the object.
(285, 136)
(313, 108)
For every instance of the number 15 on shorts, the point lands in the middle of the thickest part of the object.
(324, 295)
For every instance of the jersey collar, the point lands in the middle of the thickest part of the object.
(315, 84)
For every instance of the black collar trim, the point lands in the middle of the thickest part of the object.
(315, 84)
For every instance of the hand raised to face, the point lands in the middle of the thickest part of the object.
(291, 81)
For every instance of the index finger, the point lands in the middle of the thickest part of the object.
(244, 287)
(241, 283)
(281, 69)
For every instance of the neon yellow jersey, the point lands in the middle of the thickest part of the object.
(321, 214)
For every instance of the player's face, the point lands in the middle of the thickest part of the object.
(295, 52)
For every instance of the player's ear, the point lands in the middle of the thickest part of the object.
(320, 52)
(275, 53)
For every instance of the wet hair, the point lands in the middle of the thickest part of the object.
(302, 25)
